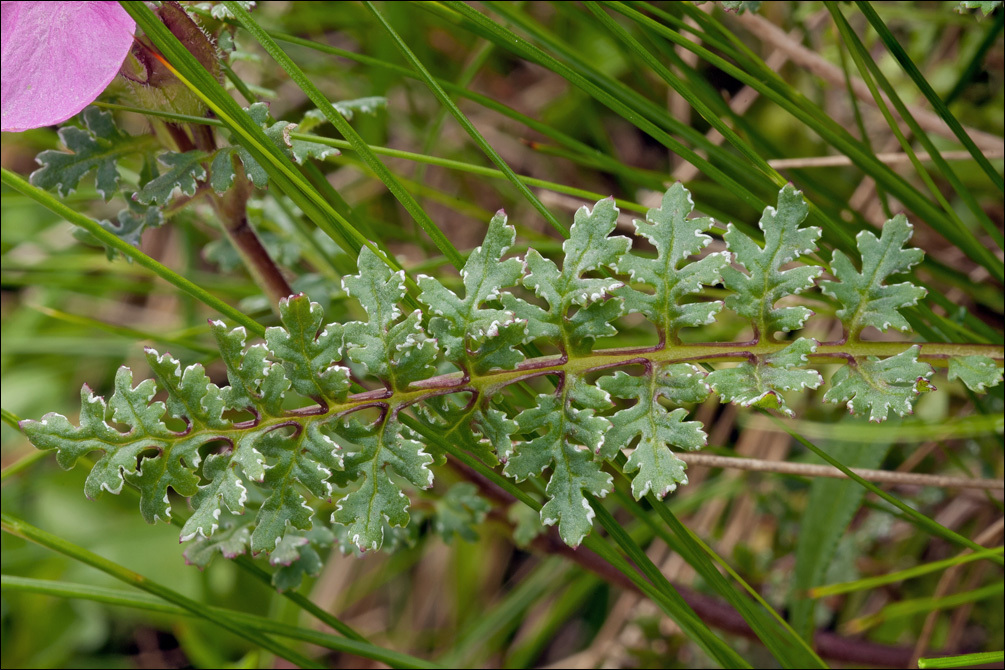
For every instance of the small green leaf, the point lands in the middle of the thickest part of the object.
(759, 384)
(219, 11)
(588, 249)
(225, 489)
(308, 351)
(396, 352)
(304, 560)
(132, 222)
(986, 7)
(252, 168)
(881, 386)
(98, 147)
(347, 108)
(865, 298)
(255, 382)
(458, 510)
(572, 433)
(766, 282)
(308, 456)
(191, 394)
(979, 373)
(221, 170)
(371, 452)
(526, 522)
(230, 543)
(460, 322)
(298, 150)
(657, 428)
(676, 238)
(185, 171)
(496, 430)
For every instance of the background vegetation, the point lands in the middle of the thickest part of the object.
(581, 101)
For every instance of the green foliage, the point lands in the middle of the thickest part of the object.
(979, 373)
(877, 387)
(97, 147)
(130, 225)
(460, 325)
(284, 455)
(588, 249)
(758, 383)
(671, 275)
(986, 7)
(659, 471)
(185, 171)
(347, 108)
(571, 434)
(765, 282)
(865, 298)
(590, 369)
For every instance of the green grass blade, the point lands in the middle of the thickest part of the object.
(50, 202)
(977, 60)
(769, 84)
(465, 123)
(913, 606)
(578, 150)
(506, 615)
(513, 42)
(901, 575)
(933, 98)
(686, 91)
(963, 660)
(770, 627)
(919, 518)
(870, 71)
(347, 131)
(150, 603)
(280, 168)
(668, 600)
(788, 650)
(26, 531)
(832, 504)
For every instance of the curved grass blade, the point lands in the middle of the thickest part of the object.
(149, 603)
(465, 123)
(347, 131)
(933, 98)
(26, 531)
(249, 134)
(48, 201)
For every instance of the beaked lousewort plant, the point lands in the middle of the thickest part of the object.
(527, 378)
(259, 457)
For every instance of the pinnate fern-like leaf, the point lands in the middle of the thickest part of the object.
(458, 321)
(316, 412)
(393, 350)
(570, 435)
(589, 248)
(372, 453)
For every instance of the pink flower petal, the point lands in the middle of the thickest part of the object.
(57, 57)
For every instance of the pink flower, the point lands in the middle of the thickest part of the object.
(57, 57)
